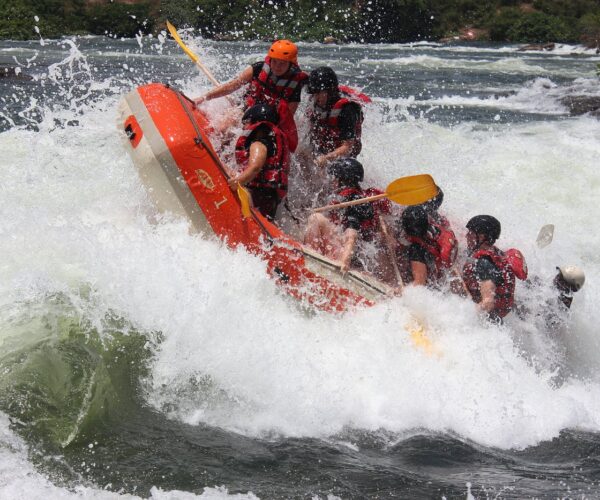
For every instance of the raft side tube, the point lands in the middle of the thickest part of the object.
(156, 166)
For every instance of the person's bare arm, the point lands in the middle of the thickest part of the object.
(344, 150)
(419, 273)
(256, 160)
(488, 295)
(227, 87)
(350, 237)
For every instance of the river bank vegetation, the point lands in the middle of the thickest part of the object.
(538, 21)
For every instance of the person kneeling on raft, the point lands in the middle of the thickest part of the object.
(489, 273)
(263, 152)
(337, 235)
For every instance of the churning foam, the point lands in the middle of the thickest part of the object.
(239, 354)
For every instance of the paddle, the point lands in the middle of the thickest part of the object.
(243, 194)
(191, 55)
(544, 237)
(411, 190)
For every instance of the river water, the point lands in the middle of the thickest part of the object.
(138, 360)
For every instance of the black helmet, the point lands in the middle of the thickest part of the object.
(414, 221)
(323, 78)
(261, 112)
(487, 225)
(435, 203)
(348, 171)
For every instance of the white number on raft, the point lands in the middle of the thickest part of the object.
(219, 203)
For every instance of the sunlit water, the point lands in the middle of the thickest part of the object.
(139, 360)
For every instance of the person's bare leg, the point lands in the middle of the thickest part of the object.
(322, 235)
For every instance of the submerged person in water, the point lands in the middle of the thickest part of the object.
(567, 281)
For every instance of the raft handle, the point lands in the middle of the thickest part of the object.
(129, 132)
(282, 276)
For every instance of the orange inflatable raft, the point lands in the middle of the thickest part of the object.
(166, 136)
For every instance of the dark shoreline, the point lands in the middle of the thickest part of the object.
(344, 21)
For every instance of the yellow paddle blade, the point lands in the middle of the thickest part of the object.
(244, 197)
(178, 39)
(412, 190)
(420, 339)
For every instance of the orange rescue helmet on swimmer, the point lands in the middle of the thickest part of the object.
(284, 50)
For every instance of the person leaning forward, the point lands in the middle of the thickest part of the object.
(277, 77)
(335, 117)
(278, 81)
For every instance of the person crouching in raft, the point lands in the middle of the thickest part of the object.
(431, 252)
(337, 236)
(489, 273)
(335, 118)
(263, 152)
(278, 81)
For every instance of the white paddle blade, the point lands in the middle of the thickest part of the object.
(544, 237)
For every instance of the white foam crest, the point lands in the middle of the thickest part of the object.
(560, 49)
(511, 65)
(318, 376)
(539, 96)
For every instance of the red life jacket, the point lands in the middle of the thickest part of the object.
(505, 292)
(437, 218)
(287, 124)
(369, 224)
(268, 88)
(441, 243)
(325, 127)
(275, 171)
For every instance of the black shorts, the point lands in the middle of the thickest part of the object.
(266, 200)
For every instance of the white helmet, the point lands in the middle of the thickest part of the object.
(573, 275)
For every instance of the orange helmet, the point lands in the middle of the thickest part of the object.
(285, 50)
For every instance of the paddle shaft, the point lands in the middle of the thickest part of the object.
(351, 203)
(391, 253)
(208, 74)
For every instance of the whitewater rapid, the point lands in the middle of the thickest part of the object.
(237, 353)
